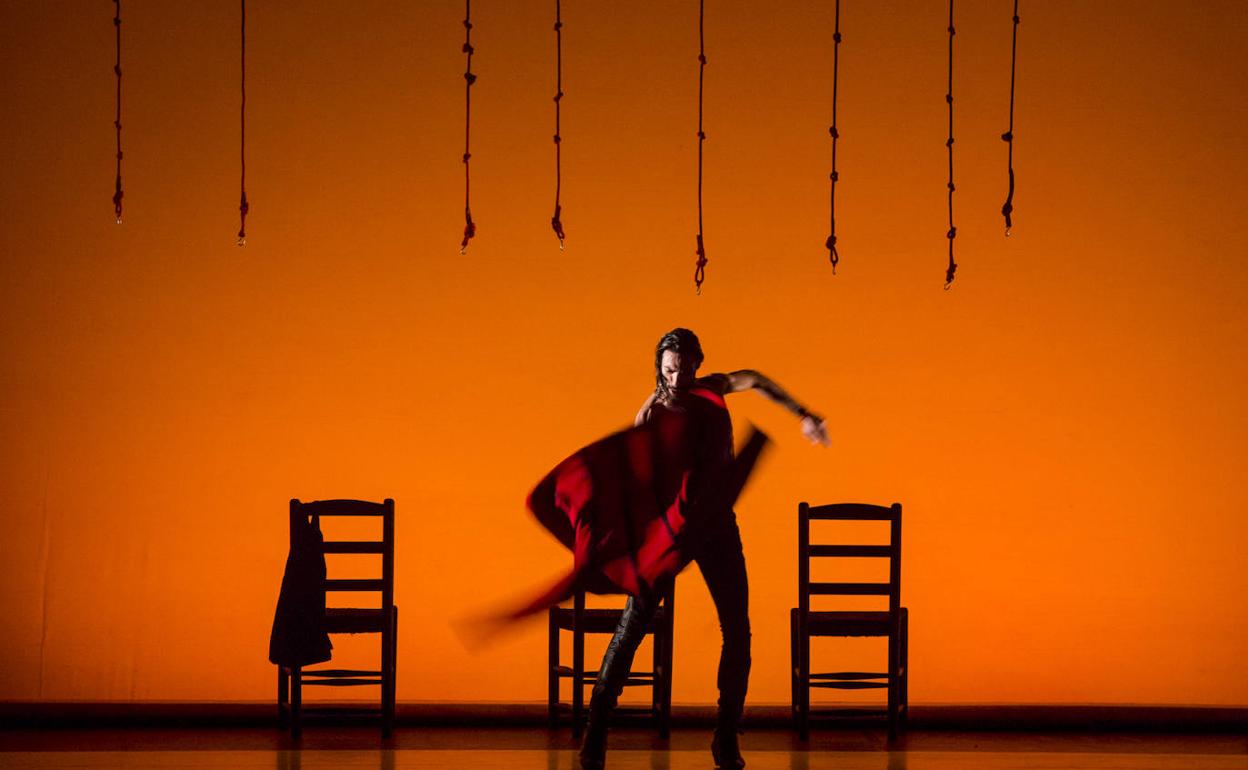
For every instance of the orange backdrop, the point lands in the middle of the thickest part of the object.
(1065, 427)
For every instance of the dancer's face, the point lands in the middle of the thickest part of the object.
(677, 371)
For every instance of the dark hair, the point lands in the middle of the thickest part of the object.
(679, 340)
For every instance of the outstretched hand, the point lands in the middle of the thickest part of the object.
(815, 430)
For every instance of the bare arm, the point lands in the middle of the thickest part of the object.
(813, 426)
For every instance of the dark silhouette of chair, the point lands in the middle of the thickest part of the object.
(581, 621)
(893, 623)
(382, 620)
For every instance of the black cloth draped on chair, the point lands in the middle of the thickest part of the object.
(299, 637)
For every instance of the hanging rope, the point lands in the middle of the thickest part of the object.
(953, 231)
(555, 222)
(699, 274)
(1008, 136)
(836, 49)
(470, 229)
(243, 208)
(117, 194)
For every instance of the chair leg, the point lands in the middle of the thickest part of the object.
(669, 624)
(385, 673)
(394, 667)
(552, 668)
(283, 696)
(389, 660)
(662, 636)
(905, 667)
(803, 683)
(578, 678)
(656, 667)
(793, 667)
(894, 679)
(296, 701)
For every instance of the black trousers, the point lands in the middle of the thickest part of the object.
(718, 553)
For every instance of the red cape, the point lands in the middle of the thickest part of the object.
(627, 505)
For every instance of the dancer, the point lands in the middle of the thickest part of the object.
(711, 538)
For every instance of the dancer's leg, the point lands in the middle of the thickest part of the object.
(721, 559)
(616, 664)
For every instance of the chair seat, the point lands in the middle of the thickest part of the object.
(603, 621)
(355, 620)
(847, 623)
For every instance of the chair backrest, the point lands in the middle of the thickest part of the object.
(806, 551)
(300, 512)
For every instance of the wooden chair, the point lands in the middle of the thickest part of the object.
(382, 620)
(580, 621)
(893, 623)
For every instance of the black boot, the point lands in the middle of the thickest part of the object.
(724, 748)
(594, 743)
(616, 663)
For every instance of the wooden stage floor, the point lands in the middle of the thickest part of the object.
(479, 748)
